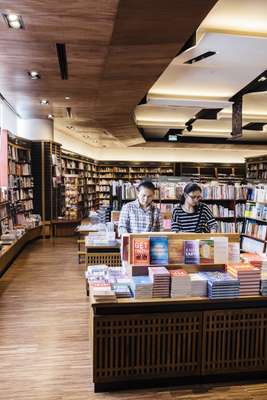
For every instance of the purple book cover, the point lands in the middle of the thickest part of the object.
(191, 252)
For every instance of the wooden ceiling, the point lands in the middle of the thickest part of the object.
(116, 50)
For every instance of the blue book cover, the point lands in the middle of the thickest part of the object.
(159, 250)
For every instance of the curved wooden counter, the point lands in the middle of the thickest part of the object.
(10, 252)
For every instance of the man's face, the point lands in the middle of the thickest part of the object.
(145, 196)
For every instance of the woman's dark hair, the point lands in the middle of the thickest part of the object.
(189, 188)
(147, 185)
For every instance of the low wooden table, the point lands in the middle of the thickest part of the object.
(157, 342)
(65, 227)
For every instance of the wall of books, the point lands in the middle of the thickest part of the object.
(80, 185)
(20, 180)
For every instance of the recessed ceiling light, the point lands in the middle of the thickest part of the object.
(50, 116)
(34, 75)
(44, 102)
(13, 21)
(262, 79)
(67, 98)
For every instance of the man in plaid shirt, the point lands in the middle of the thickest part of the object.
(141, 215)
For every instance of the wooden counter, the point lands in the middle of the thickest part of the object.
(138, 343)
(10, 252)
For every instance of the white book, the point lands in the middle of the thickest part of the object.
(220, 250)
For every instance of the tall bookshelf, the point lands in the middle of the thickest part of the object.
(227, 202)
(20, 179)
(79, 183)
(46, 169)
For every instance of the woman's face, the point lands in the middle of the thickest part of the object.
(193, 198)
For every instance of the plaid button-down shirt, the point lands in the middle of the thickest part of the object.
(135, 219)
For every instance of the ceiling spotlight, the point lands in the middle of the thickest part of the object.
(50, 116)
(44, 102)
(67, 98)
(262, 79)
(34, 75)
(13, 21)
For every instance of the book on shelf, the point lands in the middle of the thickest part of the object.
(252, 245)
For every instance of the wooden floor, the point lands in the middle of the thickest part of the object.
(44, 334)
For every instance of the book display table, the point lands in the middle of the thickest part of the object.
(178, 340)
(165, 341)
(65, 227)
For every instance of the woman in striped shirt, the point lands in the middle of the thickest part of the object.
(191, 215)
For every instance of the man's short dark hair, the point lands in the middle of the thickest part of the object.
(147, 185)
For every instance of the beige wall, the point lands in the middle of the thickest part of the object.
(72, 144)
(191, 155)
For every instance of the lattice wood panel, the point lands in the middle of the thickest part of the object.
(110, 259)
(234, 340)
(128, 347)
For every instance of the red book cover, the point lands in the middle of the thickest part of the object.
(141, 249)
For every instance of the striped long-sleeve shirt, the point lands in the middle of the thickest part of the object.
(199, 221)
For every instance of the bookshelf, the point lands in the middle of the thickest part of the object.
(4, 209)
(211, 171)
(254, 233)
(256, 168)
(46, 170)
(20, 179)
(80, 185)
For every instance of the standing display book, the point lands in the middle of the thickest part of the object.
(159, 250)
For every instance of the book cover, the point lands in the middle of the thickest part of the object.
(233, 253)
(141, 251)
(191, 252)
(176, 251)
(139, 270)
(206, 251)
(125, 247)
(220, 250)
(159, 250)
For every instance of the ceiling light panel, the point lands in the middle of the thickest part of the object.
(13, 21)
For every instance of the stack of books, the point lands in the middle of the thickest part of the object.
(121, 290)
(249, 277)
(160, 277)
(221, 285)
(102, 292)
(180, 283)
(199, 284)
(96, 272)
(142, 287)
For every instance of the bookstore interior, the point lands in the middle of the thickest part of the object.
(116, 97)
